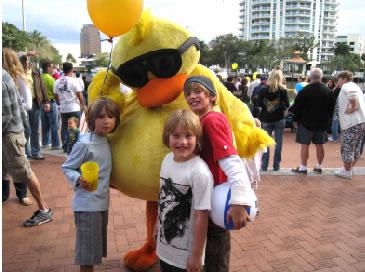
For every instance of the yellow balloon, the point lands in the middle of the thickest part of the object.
(254, 75)
(234, 66)
(114, 17)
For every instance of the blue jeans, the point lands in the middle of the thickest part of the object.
(64, 127)
(50, 126)
(278, 128)
(334, 129)
(27, 136)
(34, 118)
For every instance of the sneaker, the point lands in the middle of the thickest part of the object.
(26, 201)
(317, 170)
(342, 173)
(276, 168)
(296, 170)
(332, 140)
(38, 218)
(46, 146)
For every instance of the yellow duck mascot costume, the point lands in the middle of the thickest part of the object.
(155, 58)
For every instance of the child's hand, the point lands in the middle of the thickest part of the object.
(84, 184)
(194, 264)
(238, 214)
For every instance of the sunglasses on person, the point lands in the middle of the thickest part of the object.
(163, 63)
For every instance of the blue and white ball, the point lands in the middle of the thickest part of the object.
(220, 206)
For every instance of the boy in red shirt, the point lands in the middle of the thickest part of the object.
(224, 163)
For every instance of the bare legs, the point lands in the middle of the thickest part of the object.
(304, 154)
(35, 189)
(319, 153)
(349, 165)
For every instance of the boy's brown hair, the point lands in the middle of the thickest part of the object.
(345, 75)
(95, 108)
(188, 121)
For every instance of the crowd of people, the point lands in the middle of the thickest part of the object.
(46, 97)
(195, 137)
(319, 109)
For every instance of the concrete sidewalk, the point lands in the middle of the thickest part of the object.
(306, 223)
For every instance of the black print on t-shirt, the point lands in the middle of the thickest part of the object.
(175, 208)
(62, 87)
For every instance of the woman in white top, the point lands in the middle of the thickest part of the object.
(350, 109)
(12, 65)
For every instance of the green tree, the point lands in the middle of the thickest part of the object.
(341, 48)
(70, 58)
(205, 54)
(341, 62)
(20, 41)
(36, 38)
(258, 54)
(14, 38)
(225, 50)
(102, 59)
(304, 43)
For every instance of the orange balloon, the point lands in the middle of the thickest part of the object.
(114, 17)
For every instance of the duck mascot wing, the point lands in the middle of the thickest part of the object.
(155, 58)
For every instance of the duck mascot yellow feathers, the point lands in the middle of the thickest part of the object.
(155, 58)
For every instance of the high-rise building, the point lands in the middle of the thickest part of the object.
(275, 19)
(356, 42)
(89, 40)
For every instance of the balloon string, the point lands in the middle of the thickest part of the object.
(109, 62)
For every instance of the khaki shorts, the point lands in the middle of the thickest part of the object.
(15, 162)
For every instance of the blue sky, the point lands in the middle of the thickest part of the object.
(61, 21)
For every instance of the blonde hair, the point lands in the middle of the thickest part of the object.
(275, 81)
(185, 119)
(12, 64)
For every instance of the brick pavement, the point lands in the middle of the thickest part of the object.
(314, 223)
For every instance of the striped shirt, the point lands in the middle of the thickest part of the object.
(13, 113)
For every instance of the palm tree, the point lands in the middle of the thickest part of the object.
(36, 38)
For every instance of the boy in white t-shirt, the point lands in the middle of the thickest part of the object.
(69, 96)
(186, 186)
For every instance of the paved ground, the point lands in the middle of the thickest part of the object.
(313, 223)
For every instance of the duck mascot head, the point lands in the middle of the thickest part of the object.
(155, 58)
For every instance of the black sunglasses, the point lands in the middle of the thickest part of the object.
(163, 63)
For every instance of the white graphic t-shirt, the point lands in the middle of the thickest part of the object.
(184, 187)
(66, 87)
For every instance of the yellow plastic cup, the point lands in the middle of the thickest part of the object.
(90, 172)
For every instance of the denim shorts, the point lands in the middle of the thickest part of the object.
(306, 136)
